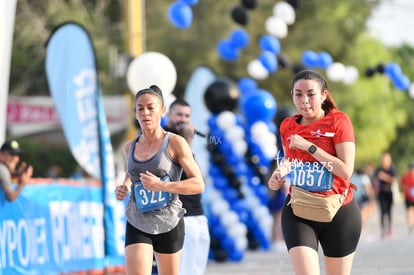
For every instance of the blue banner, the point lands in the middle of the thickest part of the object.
(73, 82)
(53, 228)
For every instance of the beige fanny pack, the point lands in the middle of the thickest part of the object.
(314, 206)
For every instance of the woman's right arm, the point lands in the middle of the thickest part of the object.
(122, 190)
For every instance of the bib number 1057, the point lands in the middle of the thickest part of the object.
(311, 176)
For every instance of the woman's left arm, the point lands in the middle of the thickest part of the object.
(342, 164)
(180, 151)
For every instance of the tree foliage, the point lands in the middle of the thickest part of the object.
(382, 115)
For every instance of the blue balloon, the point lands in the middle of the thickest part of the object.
(236, 255)
(232, 159)
(269, 61)
(226, 51)
(247, 87)
(402, 82)
(247, 84)
(239, 38)
(325, 60)
(220, 183)
(310, 59)
(164, 121)
(262, 193)
(241, 168)
(180, 15)
(214, 171)
(230, 194)
(393, 70)
(260, 106)
(213, 220)
(238, 206)
(227, 243)
(190, 2)
(219, 232)
(272, 127)
(270, 43)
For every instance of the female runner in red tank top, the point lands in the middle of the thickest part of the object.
(320, 135)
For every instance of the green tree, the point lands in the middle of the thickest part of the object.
(402, 148)
(35, 21)
(381, 114)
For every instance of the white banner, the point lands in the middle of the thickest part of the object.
(32, 115)
(7, 14)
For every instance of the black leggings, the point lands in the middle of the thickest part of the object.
(385, 201)
(338, 238)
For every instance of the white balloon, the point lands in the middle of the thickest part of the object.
(229, 218)
(284, 11)
(256, 70)
(241, 243)
(226, 119)
(351, 75)
(259, 128)
(240, 147)
(276, 26)
(151, 68)
(336, 72)
(270, 152)
(212, 195)
(234, 133)
(252, 201)
(239, 229)
(168, 99)
(220, 206)
(261, 212)
(411, 90)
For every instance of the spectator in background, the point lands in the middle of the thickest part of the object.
(10, 154)
(55, 171)
(194, 255)
(407, 183)
(365, 192)
(385, 176)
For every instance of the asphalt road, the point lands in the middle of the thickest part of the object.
(376, 256)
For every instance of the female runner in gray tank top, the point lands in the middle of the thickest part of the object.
(155, 160)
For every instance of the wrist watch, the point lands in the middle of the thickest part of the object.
(312, 149)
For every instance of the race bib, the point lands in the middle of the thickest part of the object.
(311, 176)
(147, 200)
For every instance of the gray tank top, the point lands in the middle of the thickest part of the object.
(166, 218)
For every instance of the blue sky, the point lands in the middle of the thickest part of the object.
(392, 22)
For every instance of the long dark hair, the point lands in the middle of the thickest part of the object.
(329, 102)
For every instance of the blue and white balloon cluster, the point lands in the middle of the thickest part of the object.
(233, 178)
(228, 232)
(335, 71)
(266, 63)
(277, 28)
(395, 74)
(230, 174)
(259, 108)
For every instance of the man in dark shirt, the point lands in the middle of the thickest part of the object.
(194, 255)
